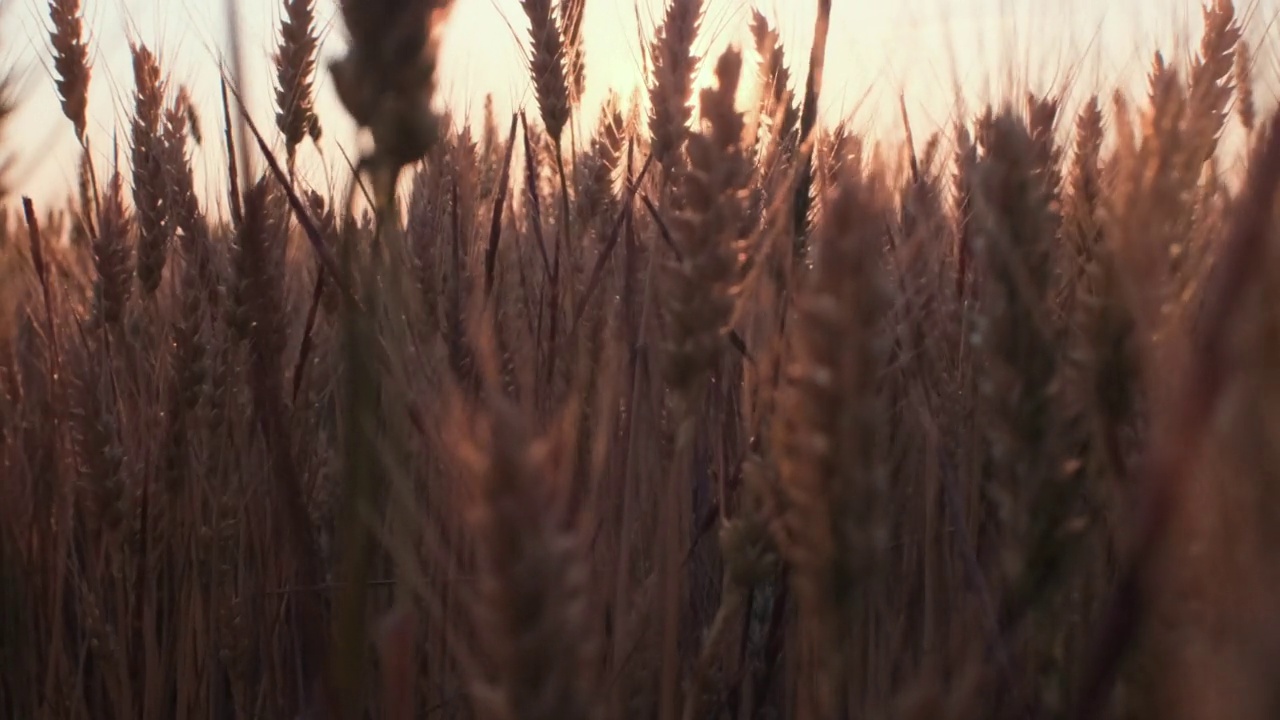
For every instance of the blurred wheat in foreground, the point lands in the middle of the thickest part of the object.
(720, 415)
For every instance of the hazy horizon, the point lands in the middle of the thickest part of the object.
(923, 48)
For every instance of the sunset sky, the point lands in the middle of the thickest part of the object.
(876, 50)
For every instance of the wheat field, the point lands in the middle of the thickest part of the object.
(702, 411)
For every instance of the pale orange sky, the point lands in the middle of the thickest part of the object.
(876, 49)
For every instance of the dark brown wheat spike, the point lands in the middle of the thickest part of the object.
(711, 201)
(1042, 119)
(295, 75)
(259, 266)
(547, 66)
(189, 351)
(388, 77)
(533, 578)
(182, 203)
(70, 61)
(99, 454)
(830, 496)
(808, 121)
(1016, 249)
(1084, 181)
(671, 90)
(258, 316)
(1020, 396)
(148, 169)
(599, 167)
(113, 253)
(777, 98)
(189, 361)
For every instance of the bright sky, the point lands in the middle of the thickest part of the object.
(876, 49)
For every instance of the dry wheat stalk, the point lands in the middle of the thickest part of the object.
(190, 370)
(1016, 232)
(100, 455)
(750, 560)
(671, 88)
(1155, 177)
(599, 167)
(1218, 627)
(181, 202)
(295, 75)
(1081, 198)
(1209, 84)
(1243, 78)
(803, 205)
(701, 292)
(777, 98)
(1161, 81)
(572, 13)
(1042, 119)
(966, 159)
(387, 80)
(70, 62)
(839, 148)
(180, 196)
(533, 578)
(1084, 183)
(547, 65)
(703, 282)
(86, 199)
(113, 253)
(259, 284)
(148, 169)
(1036, 495)
(829, 501)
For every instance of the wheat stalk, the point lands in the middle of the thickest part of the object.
(387, 80)
(777, 97)
(671, 86)
(572, 15)
(547, 66)
(190, 351)
(533, 583)
(1209, 84)
(830, 493)
(703, 281)
(295, 73)
(1243, 78)
(113, 253)
(599, 167)
(71, 62)
(148, 169)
